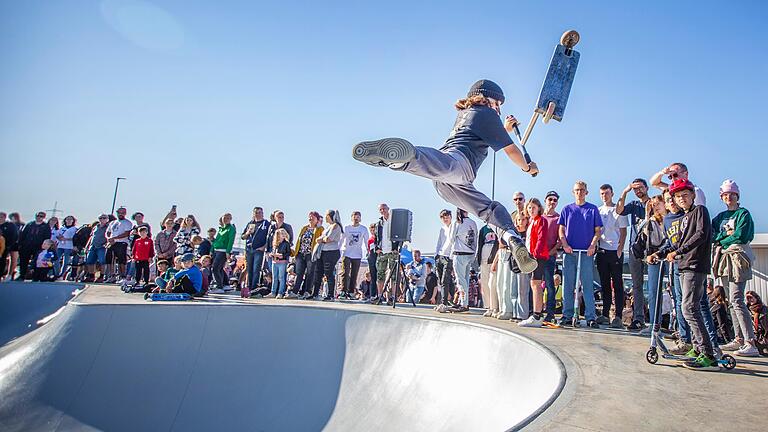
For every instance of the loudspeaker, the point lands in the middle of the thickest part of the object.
(402, 225)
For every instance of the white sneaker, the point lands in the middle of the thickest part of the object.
(748, 350)
(216, 291)
(531, 321)
(488, 313)
(290, 295)
(733, 345)
(442, 308)
(270, 295)
(280, 296)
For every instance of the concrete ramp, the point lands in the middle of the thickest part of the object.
(22, 305)
(197, 367)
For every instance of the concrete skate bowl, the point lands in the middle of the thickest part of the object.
(200, 367)
(23, 305)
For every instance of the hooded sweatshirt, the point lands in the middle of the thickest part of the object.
(694, 251)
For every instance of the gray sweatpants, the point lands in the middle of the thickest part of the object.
(740, 315)
(693, 289)
(637, 270)
(452, 177)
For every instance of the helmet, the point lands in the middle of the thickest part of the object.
(679, 185)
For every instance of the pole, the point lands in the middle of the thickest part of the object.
(114, 197)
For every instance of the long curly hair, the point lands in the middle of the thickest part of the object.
(471, 101)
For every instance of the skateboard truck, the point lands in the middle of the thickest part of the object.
(556, 88)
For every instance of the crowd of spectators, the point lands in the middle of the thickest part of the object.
(696, 266)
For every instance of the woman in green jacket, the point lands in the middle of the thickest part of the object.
(222, 246)
(734, 227)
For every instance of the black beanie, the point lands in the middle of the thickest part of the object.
(487, 88)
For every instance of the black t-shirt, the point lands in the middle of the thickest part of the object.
(476, 129)
(10, 233)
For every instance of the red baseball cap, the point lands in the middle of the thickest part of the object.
(679, 185)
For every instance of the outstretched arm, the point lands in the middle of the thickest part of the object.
(516, 156)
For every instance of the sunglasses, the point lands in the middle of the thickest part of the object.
(40, 216)
(674, 176)
(518, 199)
(103, 218)
(552, 199)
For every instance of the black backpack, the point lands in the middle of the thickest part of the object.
(80, 239)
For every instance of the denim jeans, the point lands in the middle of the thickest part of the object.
(549, 281)
(654, 272)
(254, 260)
(682, 324)
(461, 264)
(414, 294)
(570, 264)
(521, 294)
(219, 275)
(65, 255)
(693, 285)
(278, 277)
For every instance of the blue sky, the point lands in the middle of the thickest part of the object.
(220, 106)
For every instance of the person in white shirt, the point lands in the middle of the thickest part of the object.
(417, 275)
(610, 258)
(387, 256)
(443, 262)
(464, 241)
(117, 245)
(354, 238)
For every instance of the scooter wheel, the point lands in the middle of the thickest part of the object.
(146, 296)
(730, 362)
(652, 356)
(570, 38)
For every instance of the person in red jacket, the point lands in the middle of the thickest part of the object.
(143, 251)
(536, 239)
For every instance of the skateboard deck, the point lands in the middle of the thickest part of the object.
(167, 297)
(558, 82)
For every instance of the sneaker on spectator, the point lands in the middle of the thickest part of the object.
(270, 295)
(290, 295)
(733, 345)
(440, 308)
(280, 296)
(531, 321)
(460, 309)
(603, 320)
(566, 322)
(672, 336)
(488, 313)
(616, 324)
(748, 350)
(702, 362)
(645, 332)
(680, 348)
(593, 324)
(505, 316)
(550, 319)
(692, 353)
(216, 291)
(635, 326)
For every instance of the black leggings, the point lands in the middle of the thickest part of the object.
(142, 269)
(351, 270)
(327, 263)
(219, 275)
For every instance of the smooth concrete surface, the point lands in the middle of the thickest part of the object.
(22, 305)
(111, 361)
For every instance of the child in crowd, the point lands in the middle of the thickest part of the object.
(281, 253)
(693, 255)
(206, 277)
(188, 280)
(536, 241)
(196, 242)
(143, 251)
(44, 262)
(205, 268)
(521, 281)
(365, 287)
(759, 313)
(719, 306)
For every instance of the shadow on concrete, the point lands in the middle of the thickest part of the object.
(22, 305)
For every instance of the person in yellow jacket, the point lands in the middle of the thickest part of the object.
(307, 285)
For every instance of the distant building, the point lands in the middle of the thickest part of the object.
(759, 282)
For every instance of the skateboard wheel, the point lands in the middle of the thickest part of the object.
(652, 356)
(550, 112)
(570, 38)
(730, 362)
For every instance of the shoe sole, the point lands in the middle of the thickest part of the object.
(524, 260)
(384, 152)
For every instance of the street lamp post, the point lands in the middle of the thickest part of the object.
(114, 198)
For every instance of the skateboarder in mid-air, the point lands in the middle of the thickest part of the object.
(453, 168)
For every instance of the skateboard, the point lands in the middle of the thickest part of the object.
(167, 296)
(556, 88)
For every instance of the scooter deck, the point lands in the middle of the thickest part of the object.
(167, 297)
(558, 82)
